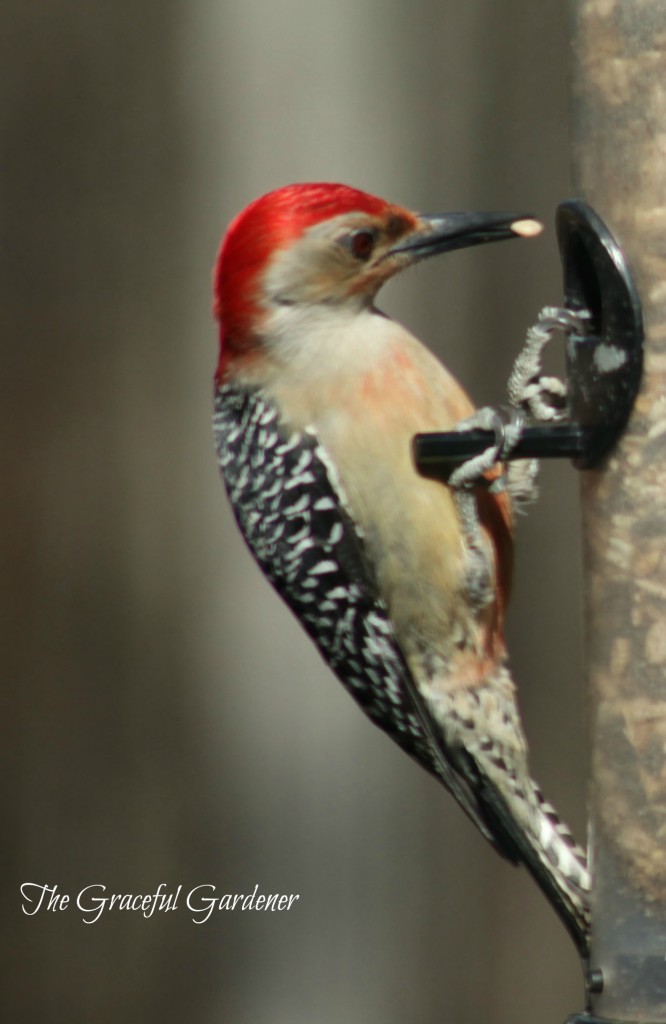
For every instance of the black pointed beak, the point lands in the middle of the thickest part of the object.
(448, 231)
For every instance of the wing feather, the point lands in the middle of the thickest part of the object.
(293, 514)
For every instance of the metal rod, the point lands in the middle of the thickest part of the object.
(434, 451)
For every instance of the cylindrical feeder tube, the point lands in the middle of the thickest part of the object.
(619, 163)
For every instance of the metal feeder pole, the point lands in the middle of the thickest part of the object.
(619, 167)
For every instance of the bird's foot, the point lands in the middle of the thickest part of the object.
(543, 398)
(507, 432)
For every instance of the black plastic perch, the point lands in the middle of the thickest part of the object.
(604, 357)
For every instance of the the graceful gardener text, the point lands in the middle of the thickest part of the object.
(201, 901)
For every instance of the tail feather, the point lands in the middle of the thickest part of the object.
(566, 862)
(555, 861)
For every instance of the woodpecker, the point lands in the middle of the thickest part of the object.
(318, 395)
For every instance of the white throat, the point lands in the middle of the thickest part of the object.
(321, 340)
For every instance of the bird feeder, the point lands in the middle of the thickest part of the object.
(616, 436)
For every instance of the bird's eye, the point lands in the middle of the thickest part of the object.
(361, 244)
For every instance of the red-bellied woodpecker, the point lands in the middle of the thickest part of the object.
(318, 396)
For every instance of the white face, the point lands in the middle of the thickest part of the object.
(344, 259)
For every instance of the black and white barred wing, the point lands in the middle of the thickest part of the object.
(291, 512)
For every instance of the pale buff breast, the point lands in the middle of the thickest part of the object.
(365, 392)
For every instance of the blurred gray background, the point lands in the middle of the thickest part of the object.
(163, 718)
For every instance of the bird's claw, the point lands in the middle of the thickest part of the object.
(507, 431)
(543, 398)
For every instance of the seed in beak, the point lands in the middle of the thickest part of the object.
(527, 228)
